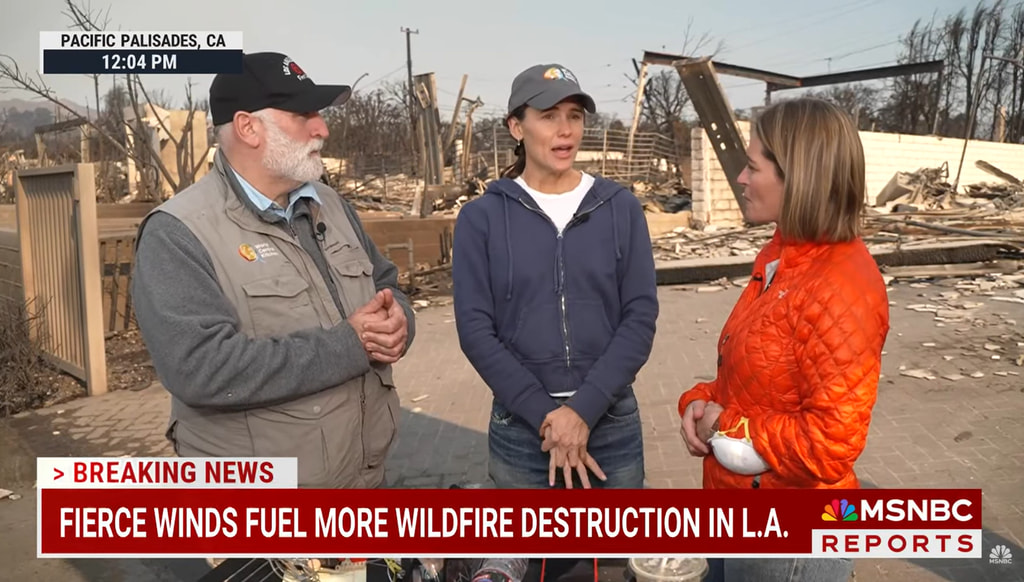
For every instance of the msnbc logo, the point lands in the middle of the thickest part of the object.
(839, 511)
(1000, 555)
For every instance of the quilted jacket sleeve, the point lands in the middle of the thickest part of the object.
(701, 391)
(839, 329)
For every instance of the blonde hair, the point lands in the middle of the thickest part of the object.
(818, 154)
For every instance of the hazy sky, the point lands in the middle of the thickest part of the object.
(338, 40)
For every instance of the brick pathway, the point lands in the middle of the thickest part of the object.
(926, 433)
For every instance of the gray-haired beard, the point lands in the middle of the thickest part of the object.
(288, 158)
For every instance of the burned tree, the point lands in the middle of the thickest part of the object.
(370, 131)
(915, 102)
(972, 86)
(664, 101)
(860, 100)
(1014, 49)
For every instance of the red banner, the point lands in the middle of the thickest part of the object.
(184, 522)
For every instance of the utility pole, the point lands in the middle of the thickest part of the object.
(411, 92)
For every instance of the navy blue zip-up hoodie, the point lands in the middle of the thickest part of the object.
(540, 313)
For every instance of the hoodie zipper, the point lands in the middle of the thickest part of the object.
(563, 309)
(561, 301)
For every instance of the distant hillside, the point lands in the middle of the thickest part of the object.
(20, 117)
(25, 104)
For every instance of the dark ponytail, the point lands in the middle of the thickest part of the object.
(516, 169)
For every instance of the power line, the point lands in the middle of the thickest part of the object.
(791, 18)
(384, 76)
(624, 99)
(859, 6)
(866, 50)
(778, 65)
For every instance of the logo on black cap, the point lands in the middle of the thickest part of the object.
(291, 67)
(274, 80)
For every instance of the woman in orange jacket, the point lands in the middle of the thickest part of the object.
(800, 355)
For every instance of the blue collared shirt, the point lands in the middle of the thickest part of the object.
(263, 203)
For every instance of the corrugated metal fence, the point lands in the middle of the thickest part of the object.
(60, 264)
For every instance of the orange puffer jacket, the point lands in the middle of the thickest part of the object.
(801, 361)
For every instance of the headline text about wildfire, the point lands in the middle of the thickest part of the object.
(418, 522)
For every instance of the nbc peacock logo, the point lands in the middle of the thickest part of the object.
(839, 510)
(1000, 555)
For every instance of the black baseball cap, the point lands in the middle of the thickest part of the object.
(270, 80)
(544, 86)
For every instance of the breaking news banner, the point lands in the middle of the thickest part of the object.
(185, 507)
(142, 53)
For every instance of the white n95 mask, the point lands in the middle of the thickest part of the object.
(737, 455)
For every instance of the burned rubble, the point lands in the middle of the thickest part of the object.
(920, 227)
(928, 189)
(690, 243)
(972, 309)
(379, 192)
(398, 195)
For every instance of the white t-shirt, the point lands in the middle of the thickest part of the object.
(560, 207)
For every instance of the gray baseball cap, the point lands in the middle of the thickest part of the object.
(544, 86)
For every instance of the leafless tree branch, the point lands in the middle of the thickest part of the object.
(11, 73)
(83, 17)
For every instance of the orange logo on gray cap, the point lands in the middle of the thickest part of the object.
(560, 73)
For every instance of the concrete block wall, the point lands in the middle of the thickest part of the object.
(884, 154)
(713, 200)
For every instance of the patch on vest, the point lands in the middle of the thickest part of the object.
(258, 252)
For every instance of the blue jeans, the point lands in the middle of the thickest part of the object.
(779, 569)
(616, 443)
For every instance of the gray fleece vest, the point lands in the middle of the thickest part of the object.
(341, 435)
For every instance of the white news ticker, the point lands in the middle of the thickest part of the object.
(896, 543)
(164, 40)
(166, 473)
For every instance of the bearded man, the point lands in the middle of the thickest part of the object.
(271, 317)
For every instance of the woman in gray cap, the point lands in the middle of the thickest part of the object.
(555, 301)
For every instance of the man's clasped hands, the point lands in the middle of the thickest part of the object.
(382, 327)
